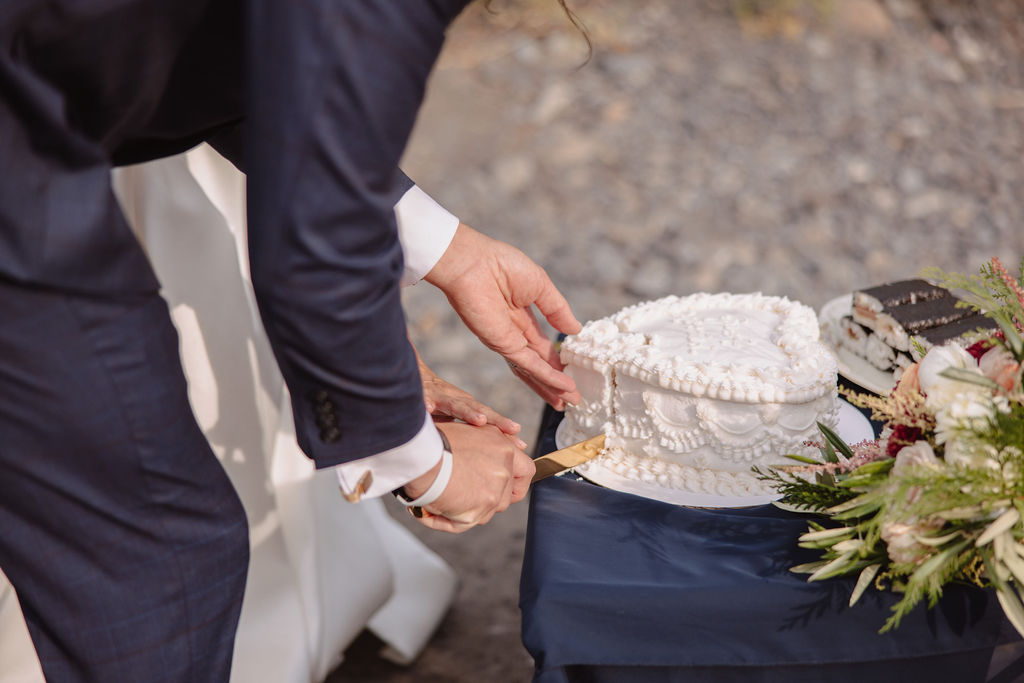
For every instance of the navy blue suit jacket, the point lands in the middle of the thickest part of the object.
(325, 93)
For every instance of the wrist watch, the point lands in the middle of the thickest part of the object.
(436, 488)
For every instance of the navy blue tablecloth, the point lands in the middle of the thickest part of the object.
(616, 587)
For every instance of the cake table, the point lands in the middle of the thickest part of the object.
(616, 587)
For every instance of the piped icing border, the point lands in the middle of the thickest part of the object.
(673, 475)
(807, 375)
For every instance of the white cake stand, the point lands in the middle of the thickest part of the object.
(853, 427)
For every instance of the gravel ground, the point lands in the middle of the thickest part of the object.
(798, 148)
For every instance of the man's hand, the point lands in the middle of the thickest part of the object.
(492, 285)
(489, 473)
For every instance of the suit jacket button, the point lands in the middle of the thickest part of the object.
(325, 420)
(325, 407)
(319, 395)
(330, 435)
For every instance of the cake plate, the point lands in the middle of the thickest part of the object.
(852, 366)
(852, 427)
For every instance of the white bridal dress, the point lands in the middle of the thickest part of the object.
(321, 569)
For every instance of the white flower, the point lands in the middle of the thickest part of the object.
(901, 541)
(969, 452)
(965, 411)
(919, 454)
(939, 390)
(968, 407)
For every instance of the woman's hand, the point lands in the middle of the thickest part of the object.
(446, 402)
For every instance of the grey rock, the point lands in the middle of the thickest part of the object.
(513, 173)
(924, 204)
(553, 99)
(652, 278)
(910, 179)
(633, 70)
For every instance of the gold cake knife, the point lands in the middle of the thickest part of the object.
(566, 458)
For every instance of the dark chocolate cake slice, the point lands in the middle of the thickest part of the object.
(958, 329)
(897, 324)
(868, 303)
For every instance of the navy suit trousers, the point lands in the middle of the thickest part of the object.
(119, 529)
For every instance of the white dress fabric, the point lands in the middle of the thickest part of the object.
(18, 661)
(321, 569)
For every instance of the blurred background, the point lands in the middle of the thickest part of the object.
(795, 147)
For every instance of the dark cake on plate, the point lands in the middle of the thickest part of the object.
(891, 325)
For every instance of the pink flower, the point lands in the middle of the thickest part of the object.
(999, 366)
(919, 454)
(863, 453)
(901, 540)
(1011, 282)
(908, 382)
(902, 544)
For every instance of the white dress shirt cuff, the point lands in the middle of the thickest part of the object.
(395, 467)
(425, 229)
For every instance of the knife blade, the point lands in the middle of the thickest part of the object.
(565, 458)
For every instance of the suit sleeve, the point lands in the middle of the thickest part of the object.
(333, 91)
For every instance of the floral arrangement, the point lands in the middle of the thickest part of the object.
(939, 497)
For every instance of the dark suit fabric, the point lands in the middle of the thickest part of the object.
(333, 92)
(355, 74)
(120, 531)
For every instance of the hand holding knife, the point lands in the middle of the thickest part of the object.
(553, 463)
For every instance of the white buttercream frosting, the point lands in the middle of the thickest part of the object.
(693, 391)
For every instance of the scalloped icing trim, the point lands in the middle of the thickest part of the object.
(706, 431)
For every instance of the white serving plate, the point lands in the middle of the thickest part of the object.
(852, 366)
(853, 427)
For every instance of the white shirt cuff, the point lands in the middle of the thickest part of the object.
(425, 229)
(395, 467)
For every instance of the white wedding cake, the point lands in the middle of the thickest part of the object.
(693, 391)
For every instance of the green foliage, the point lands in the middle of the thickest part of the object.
(961, 503)
(947, 567)
(1008, 428)
(918, 522)
(994, 292)
(804, 494)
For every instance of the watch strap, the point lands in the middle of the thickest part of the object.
(440, 483)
